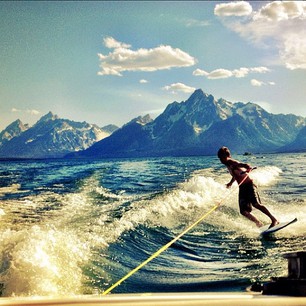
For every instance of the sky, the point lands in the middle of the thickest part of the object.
(108, 62)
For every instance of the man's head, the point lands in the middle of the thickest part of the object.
(223, 154)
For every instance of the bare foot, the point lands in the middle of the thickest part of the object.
(274, 222)
(259, 224)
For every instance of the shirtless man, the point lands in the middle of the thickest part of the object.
(248, 196)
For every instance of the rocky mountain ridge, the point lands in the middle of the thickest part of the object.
(199, 126)
(50, 137)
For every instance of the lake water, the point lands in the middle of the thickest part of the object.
(72, 227)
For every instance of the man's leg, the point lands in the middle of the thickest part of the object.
(264, 209)
(252, 218)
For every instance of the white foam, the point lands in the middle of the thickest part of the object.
(9, 189)
(47, 258)
(41, 261)
(172, 209)
(265, 176)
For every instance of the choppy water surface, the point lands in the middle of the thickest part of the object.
(77, 227)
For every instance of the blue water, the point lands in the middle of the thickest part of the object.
(76, 226)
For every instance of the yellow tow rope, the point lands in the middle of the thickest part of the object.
(166, 246)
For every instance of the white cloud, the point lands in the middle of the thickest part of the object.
(260, 69)
(197, 23)
(124, 59)
(179, 87)
(220, 74)
(293, 53)
(112, 43)
(279, 25)
(282, 10)
(241, 72)
(199, 72)
(224, 73)
(28, 111)
(143, 81)
(15, 110)
(238, 8)
(215, 74)
(258, 83)
(33, 112)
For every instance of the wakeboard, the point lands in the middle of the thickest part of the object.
(265, 230)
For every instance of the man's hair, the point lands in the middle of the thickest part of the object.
(224, 152)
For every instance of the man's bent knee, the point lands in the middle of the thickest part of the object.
(257, 205)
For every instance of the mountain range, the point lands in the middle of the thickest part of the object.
(50, 137)
(197, 126)
(13, 130)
